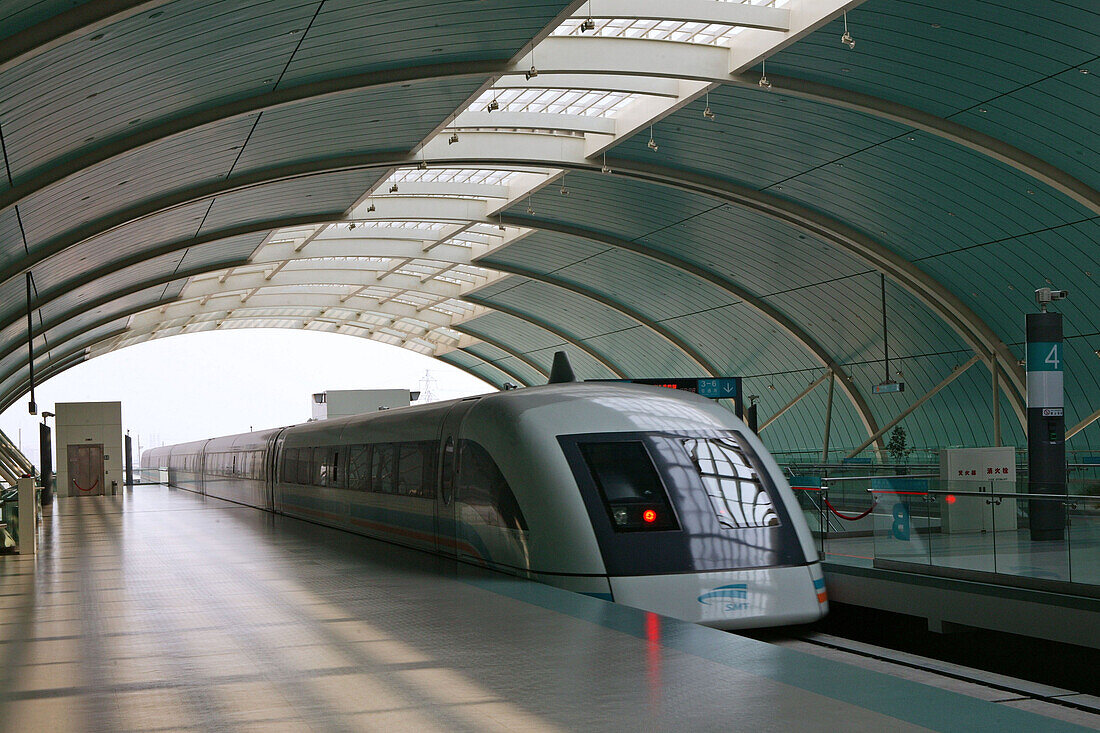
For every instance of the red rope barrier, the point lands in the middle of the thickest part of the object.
(850, 519)
(92, 488)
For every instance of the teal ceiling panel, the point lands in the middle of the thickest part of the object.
(394, 119)
(545, 251)
(352, 35)
(742, 141)
(475, 366)
(535, 343)
(178, 224)
(19, 15)
(578, 316)
(614, 205)
(175, 224)
(330, 192)
(846, 318)
(929, 196)
(754, 251)
(944, 56)
(522, 335)
(642, 284)
(1062, 258)
(740, 341)
(504, 361)
(18, 374)
(1054, 119)
(143, 70)
(11, 239)
(199, 156)
(642, 354)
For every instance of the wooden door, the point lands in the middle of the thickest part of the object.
(86, 469)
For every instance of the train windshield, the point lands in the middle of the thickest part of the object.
(629, 486)
(733, 483)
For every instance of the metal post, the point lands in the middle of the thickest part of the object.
(995, 370)
(928, 395)
(28, 517)
(32, 407)
(796, 400)
(828, 419)
(1046, 425)
(129, 449)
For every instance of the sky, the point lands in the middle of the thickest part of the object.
(203, 385)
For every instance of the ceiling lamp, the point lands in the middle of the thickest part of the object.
(764, 76)
(652, 144)
(371, 207)
(493, 105)
(605, 168)
(393, 188)
(588, 25)
(530, 209)
(563, 190)
(453, 138)
(847, 39)
(707, 112)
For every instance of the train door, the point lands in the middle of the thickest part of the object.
(446, 534)
(86, 469)
(274, 452)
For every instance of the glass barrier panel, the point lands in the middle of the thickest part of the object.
(900, 527)
(966, 537)
(1083, 535)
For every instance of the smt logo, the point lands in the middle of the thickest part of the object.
(734, 596)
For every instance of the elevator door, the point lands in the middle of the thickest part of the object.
(86, 469)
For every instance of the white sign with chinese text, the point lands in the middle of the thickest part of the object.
(984, 470)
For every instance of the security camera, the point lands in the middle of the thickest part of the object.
(1046, 295)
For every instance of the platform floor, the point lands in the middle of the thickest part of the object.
(160, 610)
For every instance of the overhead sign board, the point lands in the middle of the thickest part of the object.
(888, 387)
(715, 388)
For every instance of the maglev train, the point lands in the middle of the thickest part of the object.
(647, 496)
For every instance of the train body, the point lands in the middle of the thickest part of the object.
(646, 496)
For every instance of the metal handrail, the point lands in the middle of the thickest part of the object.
(838, 479)
(1002, 494)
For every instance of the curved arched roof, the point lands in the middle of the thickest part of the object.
(692, 188)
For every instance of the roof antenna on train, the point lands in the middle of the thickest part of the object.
(561, 371)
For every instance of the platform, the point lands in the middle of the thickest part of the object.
(161, 610)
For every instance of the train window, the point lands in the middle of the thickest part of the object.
(629, 486)
(382, 460)
(482, 487)
(735, 489)
(410, 469)
(288, 473)
(358, 467)
(305, 466)
(322, 466)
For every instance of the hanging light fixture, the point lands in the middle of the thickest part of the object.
(764, 76)
(393, 188)
(707, 112)
(493, 105)
(563, 190)
(371, 207)
(588, 24)
(531, 73)
(605, 168)
(530, 209)
(847, 39)
(453, 138)
(652, 143)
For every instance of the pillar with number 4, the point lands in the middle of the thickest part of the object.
(1046, 425)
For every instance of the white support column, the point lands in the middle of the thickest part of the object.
(28, 517)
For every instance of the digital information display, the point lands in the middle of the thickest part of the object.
(716, 388)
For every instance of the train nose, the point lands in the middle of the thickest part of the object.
(730, 599)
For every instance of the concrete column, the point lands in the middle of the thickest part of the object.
(1046, 425)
